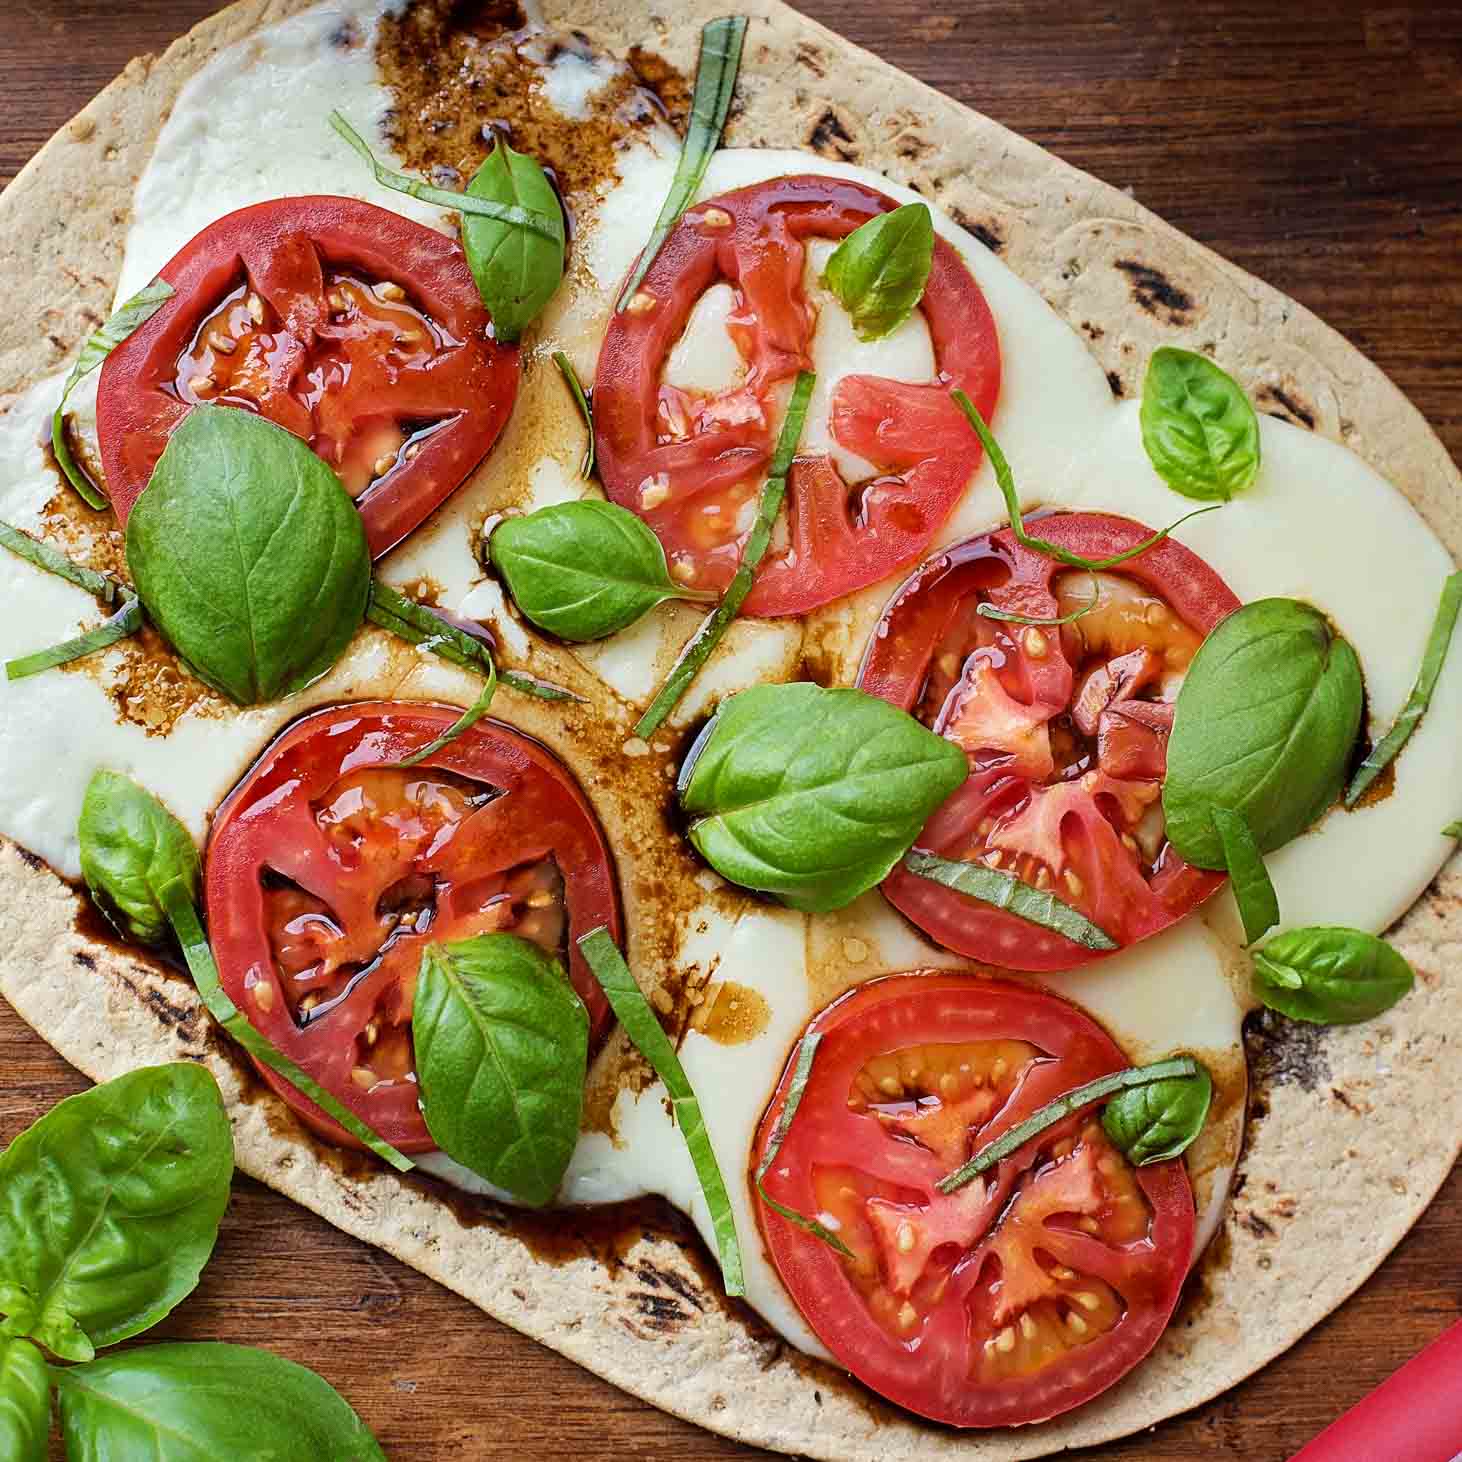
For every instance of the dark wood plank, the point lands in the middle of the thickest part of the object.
(1320, 147)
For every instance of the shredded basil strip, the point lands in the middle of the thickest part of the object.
(178, 904)
(43, 556)
(1005, 479)
(1003, 890)
(464, 723)
(1061, 1108)
(134, 312)
(643, 1028)
(1253, 889)
(715, 85)
(443, 197)
(581, 400)
(1009, 616)
(714, 626)
(126, 621)
(802, 1072)
(1437, 645)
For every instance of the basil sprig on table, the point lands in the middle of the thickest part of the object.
(879, 271)
(25, 1401)
(1432, 660)
(1159, 1119)
(1330, 976)
(715, 85)
(142, 869)
(502, 1048)
(128, 316)
(1249, 879)
(249, 555)
(643, 1027)
(810, 794)
(586, 411)
(1199, 429)
(583, 570)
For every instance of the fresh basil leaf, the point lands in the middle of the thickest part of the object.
(249, 555)
(715, 625)
(43, 556)
(131, 845)
(119, 626)
(643, 1027)
(205, 1402)
(811, 794)
(1159, 1121)
(464, 723)
(1003, 890)
(1199, 429)
(583, 570)
(109, 1205)
(1265, 724)
(715, 85)
(25, 1402)
(1452, 830)
(1005, 481)
(502, 1049)
(1014, 1138)
(1253, 889)
(1432, 660)
(1330, 976)
(135, 312)
(879, 271)
(581, 400)
(517, 269)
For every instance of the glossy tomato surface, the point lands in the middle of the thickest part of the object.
(1065, 728)
(691, 463)
(330, 869)
(1025, 1292)
(353, 327)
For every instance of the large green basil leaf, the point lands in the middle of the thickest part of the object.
(204, 1403)
(583, 570)
(502, 1045)
(249, 555)
(811, 794)
(1330, 976)
(879, 271)
(1157, 1122)
(517, 270)
(109, 1206)
(1199, 429)
(1265, 724)
(25, 1402)
(131, 846)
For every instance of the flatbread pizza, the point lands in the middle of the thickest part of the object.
(651, 618)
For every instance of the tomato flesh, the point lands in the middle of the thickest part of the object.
(1025, 1292)
(1065, 728)
(358, 330)
(692, 463)
(330, 870)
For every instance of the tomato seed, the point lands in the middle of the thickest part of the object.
(1086, 1299)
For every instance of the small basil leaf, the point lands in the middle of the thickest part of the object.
(248, 555)
(25, 1402)
(1265, 724)
(1253, 889)
(879, 271)
(203, 1402)
(1330, 976)
(517, 270)
(1199, 429)
(1452, 830)
(583, 570)
(811, 794)
(1154, 1123)
(131, 846)
(502, 1047)
(109, 1205)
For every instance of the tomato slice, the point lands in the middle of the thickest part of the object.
(692, 463)
(1066, 730)
(1023, 1293)
(330, 869)
(355, 328)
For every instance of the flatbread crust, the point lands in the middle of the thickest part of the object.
(1352, 1130)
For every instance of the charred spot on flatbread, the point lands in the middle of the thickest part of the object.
(1156, 293)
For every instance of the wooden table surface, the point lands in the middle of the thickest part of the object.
(1319, 147)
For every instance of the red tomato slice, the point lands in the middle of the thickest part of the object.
(330, 869)
(1066, 730)
(355, 328)
(690, 463)
(1023, 1293)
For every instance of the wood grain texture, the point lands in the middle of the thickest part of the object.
(1319, 147)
